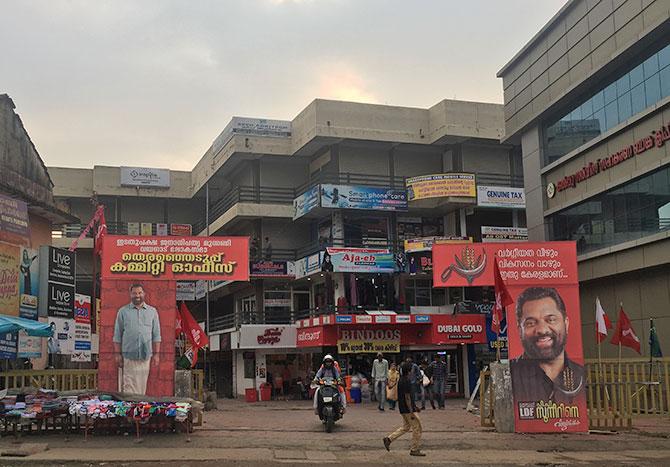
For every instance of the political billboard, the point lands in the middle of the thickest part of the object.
(543, 325)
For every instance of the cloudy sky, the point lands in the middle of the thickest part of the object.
(152, 83)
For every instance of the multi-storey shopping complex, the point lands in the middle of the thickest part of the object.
(588, 99)
(342, 205)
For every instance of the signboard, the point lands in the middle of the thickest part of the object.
(133, 228)
(186, 290)
(413, 245)
(29, 346)
(308, 265)
(62, 340)
(61, 266)
(277, 302)
(9, 279)
(145, 177)
(360, 260)
(252, 127)
(60, 300)
(162, 230)
(175, 258)
(368, 341)
(460, 329)
(8, 345)
(201, 287)
(258, 336)
(29, 283)
(420, 263)
(306, 202)
(146, 229)
(492, 234)
(441, 185)
(272, 269)
(180, 230)
(81, 351)
(82, 308)
(310, 337)
(501, 197)
(544, 325)
(14, 221)
(363, 197)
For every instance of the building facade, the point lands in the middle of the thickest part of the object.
(588, 99)
(342, 205)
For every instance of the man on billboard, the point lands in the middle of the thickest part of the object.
(544, 372)
(137, 339)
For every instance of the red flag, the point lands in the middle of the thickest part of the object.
(602, 322)
(101, 231)
(194, 333)
(177, 327)
(625, 334)
(503, 299)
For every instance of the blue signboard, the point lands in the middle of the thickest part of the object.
(306, 202)
(363, 197)
(8, 345)
(343, 319)
(422, 319)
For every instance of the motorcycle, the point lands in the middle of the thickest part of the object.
(329, 403)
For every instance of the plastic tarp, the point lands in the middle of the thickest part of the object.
(12, 324)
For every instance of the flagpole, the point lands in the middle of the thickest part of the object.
(651, 353)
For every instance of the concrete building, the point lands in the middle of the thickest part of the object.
(336, 176)
(588, 99)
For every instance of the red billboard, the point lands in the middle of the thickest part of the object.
(543, 325)
(175, 258)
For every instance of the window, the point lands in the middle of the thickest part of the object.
(631, 211)
(641, 87)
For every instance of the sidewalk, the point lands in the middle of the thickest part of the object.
(281, 432)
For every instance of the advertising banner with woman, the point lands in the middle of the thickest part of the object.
(544, 325)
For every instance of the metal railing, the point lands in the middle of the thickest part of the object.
(59, 380)
(74, 230)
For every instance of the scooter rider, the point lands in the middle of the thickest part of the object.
(327, 370)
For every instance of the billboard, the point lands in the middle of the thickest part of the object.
(29, 283)
(414, 245)
(9, 279)
(14, 225)
(272, 269)
(491, 234)
(136, 337)
(306, 202)
(543, 325)
(175, 258)
(145, 177)
(358, 260)
(441, 185)
(501, 197)
(363, 197)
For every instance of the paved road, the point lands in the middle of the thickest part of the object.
(289, 433)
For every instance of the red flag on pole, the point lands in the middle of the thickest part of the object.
(503, 299)
(194, 333)
(101, 231)
(603, 323)
(624, 333)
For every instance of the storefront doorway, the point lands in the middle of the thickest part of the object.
(370, 291)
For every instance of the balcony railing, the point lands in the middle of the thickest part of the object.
(74, 230)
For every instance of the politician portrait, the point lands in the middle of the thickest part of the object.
(136, 341)
(544, 372)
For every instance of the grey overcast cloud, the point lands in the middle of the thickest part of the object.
(152, 83)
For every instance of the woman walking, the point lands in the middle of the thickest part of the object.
(392, 385)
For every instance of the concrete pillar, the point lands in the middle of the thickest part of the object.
(503, 408)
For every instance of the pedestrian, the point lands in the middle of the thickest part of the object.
(268, 248)
(380, 371)
(414, 379)
(439, 378)
(253, 249)
(408, 411)
(426, 384)
(392, 385)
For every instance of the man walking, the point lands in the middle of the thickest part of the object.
(137, 340)
(380, 371)
(414, 379)
(407, 409)
(439, 378)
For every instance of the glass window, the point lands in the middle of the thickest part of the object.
(636, 75)
(631, 211)
(587, 109)
(599, 100)
(611, 115)
(652, 89)
(664, 76)
(623, 85)
(610, 93)
(599, 116)
(625, 110)
(664, 57)
(650, 66)
(638, 99)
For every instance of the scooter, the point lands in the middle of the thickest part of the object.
(329, 403)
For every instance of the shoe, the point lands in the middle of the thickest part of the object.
(387, 443)
(417, 453)
(441, 408)
(381, 409)
(433, 407)
(316, 411)
(423, 407)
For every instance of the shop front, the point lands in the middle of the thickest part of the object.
(356, 339)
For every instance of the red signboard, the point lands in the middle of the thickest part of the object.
(459, 329)
(176, 258)
(543, 325)
(181, 230)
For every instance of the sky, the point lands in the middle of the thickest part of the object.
(152, 83)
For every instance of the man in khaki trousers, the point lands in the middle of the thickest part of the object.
(408, 411)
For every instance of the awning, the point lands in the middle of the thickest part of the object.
(12, 324)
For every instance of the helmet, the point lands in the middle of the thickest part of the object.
(328, 357)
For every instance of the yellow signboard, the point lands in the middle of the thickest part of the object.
(441, 185)
(368, 346)
(414, 245)
(9, 279)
